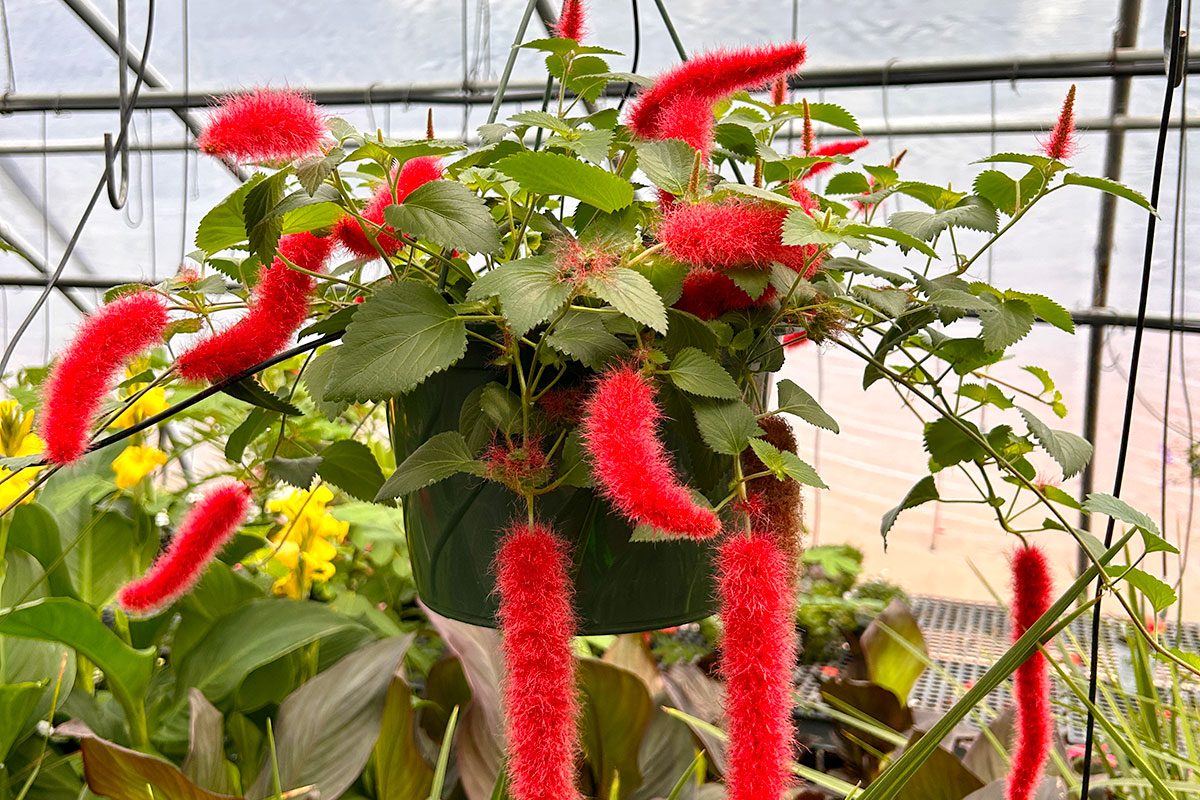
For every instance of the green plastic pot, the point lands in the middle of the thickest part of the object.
(454, 527)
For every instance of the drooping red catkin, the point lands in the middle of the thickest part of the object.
(631, 465)
(841, 147)
(1063, 139)
(758, 654)
(264, 125)
(349, 233)
(203, 532)
(1032, 587)
(278, 307)
(730, 234)
(106, 341)
(775, 505)
(571, 21)
(679, 104)
(537, 623)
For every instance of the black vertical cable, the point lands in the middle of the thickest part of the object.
(1178, 38)
(637, 54)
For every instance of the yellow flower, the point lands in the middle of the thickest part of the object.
(305, 515)
(135, 463)
(14, 487)
(305, 544)
(304, 567)
(16, 431)
(146, 406)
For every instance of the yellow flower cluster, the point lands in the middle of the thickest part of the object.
(137, 461)
(306, 544)
(16, 439)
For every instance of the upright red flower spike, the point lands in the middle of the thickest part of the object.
(1032, 587)
(416, 172)
(808, 137)
(537, 623)
(839, 147)
(278, 307)
(758, 654)
(631, 465)
(779, 90)
(679, 104)
(1063, 139)
(209, 524)
(106, 341)
(571, 21)
(264, 125)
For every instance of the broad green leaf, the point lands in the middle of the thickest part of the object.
(1040, 162)
(667, 163)
(119, 773)
(1071, 451)
(1045, 309)
(1159, 594)
(556, 174)
(829, 113)
(973, 213)
(616, 710)
(890, 301)
(18, 701)
(252, 636)
(1118, 509)
(727, 426)
(1111, 187)
(447, 214)
(205, 763)
(583, 337)
(313, 170)
(1006, 323)
(801, 229)
(298, 472)
(249, 390)
(793, 399)
(699, 374)
(988, 394)
(686, 330)
(316, 380)
(998, 189)
(786, 464)
(890, 663)
(441, 456)
(326, 730)
(751, 281)
(61, 619)
(948, 445)
(905, 240)
(501, 406)
(593, 145)
(530, 291)
(541, 119)
(225, 225)
(34, 530)
(401, 772)
(922, 492)
(263, 228)
(350, 466)
(957, 298)
(848, 183)
(397, 339)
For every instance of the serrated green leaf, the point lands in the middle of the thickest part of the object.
(1159, 594)
(668, 164)
(583, 337)
(989, 394)
(957, 298)
(298, 472)
(751, 281)
(903, 239)
(530, 291)
(1043, 376)
(249, 390)
(556, 174)
(541, 119)
(924, 491)
(999, 189)
(1006, 323)
(890, 301)
(1118, 509)
(699, 374)
(312, 171)
(1069, 450)
(1111, 187)
(398, 338)
(225, 225)
(1040, 162)
(631, 293)
(1046, 309)
(801, 229)
(727, 426)
(947, 444)
(447, 214)
(263, 228)
(593, 145)
(441, 456)
(786, 464)
(848, 183)
(316, 378)
(973, 213)
(860, 267)
(350, 466)
(795, 400)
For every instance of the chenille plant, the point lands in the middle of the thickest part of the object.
(579, 321)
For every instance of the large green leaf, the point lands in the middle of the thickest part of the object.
(263, 227)
(667, 163)
(974, 213)
(700, 374)
(616, 711)
(438, 458)
(316, 378)
(785, 464)
(1071, 451)
(252, 636)
(325, 730)
(447, 214)
(112, 550)
(1006, 323)
(350, 466)
(225, 225)
(34, 530)
(61, 619)
(1111, 187)
(727, 426)
(947, 444)
(17, 704)
(631, 293)
(119, 773)
(922, 492)
(401, 772)
(205, 763)
(888, 644)
(530, 291)
(582, 336)
(398, 338)
(556, 174)
(793, 399)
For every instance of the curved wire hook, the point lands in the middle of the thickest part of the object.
(118, 192)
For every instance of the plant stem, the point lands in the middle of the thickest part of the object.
(512, 60)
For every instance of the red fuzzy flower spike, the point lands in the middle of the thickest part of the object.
(264, 126)
(88, 368)
(779, 91)
(1032, 587)
(537, 623)
(733, 234)
(620, 432)
(278, 307)
(679, 104)
(201, 535)
(758, 654)
(841, 147)
(708, 294)
(1063, 139)
(349, 233)
(570, 21)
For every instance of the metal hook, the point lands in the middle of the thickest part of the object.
(117, 193)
